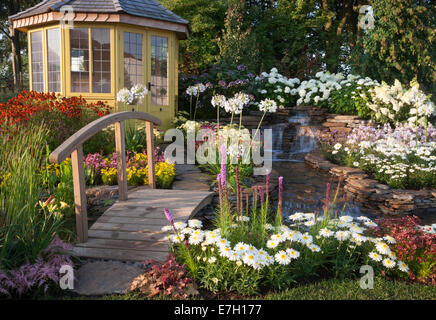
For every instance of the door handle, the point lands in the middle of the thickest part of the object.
(149, 86)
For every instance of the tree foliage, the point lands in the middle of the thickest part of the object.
(402, 43)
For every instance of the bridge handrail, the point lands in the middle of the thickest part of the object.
(73, 147)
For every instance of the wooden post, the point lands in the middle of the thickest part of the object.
(121, 160)
(79, 194)
(150, 154)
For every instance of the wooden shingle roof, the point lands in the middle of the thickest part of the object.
(141, 8)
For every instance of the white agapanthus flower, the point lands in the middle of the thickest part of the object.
(139, 91)
(268, 105)
(125, 96)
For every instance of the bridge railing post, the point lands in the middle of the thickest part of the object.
(121, 160)
(150, 154)
(79, 194)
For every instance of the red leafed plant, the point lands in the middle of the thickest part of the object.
(412, 245)
(169, 279)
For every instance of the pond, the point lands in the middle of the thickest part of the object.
(304, 187)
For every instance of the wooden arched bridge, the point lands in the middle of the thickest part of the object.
(130, 230)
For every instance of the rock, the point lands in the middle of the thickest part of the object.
(334, 124)
(340, 129)
(103, 278)
(402, 196)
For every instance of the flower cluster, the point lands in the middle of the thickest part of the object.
(234, 105)
(404, 157)
(396, 104)
(318, 91)
(28, 104)
(412, 243)
(137, 171)
(42, 274)
(136, 94)
(195, 90)
(277, 87)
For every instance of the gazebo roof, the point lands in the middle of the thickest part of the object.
(142, 8)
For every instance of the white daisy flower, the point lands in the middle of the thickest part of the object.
(195, 223)
(325, 232)
(306, 238)
(402, 266)
(167, 228)
(212, 260)
(222, 243)
(382, 247)
(282, 258)
(272, 244)
(195, 239)
(375, 256)
(314, 247)
(293, 254)
(342, 235)
(389, 263)
(389, 239)
(180, 225)
(240, 247)
(176, 238)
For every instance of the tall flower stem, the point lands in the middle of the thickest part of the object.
(240, 121)
(260, 122)
(196, 103)
(190, 108)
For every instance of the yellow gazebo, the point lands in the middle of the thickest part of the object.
(94, 48)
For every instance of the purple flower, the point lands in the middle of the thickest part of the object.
(261, 194)
(242, 67)
(169, 216)
(280, 194)
(223, 150)
(222, 83)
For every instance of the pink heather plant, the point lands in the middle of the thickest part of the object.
(39, 275)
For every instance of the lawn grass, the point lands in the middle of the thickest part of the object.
(331, 289)
(334, 289)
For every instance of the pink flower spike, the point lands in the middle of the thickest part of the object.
(169, 216)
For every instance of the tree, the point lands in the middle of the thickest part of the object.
(238, 44)
(16, 39)
(206, 19)
(401, 45)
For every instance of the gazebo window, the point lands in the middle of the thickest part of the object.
(53, 60)
(159, 70)
(101, 60)
(37, 61)
(133, 61)
(79, 41)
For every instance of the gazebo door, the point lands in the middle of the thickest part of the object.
(159, 73)
(134, 59)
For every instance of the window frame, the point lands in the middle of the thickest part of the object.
(91, 95)
(44, 63)
(144, 54)
(46, 77)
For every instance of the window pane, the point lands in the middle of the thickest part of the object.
(79, 41)
(159, 70)
(53, 60)
(101, 49)
(132, 59)
(37, 61)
